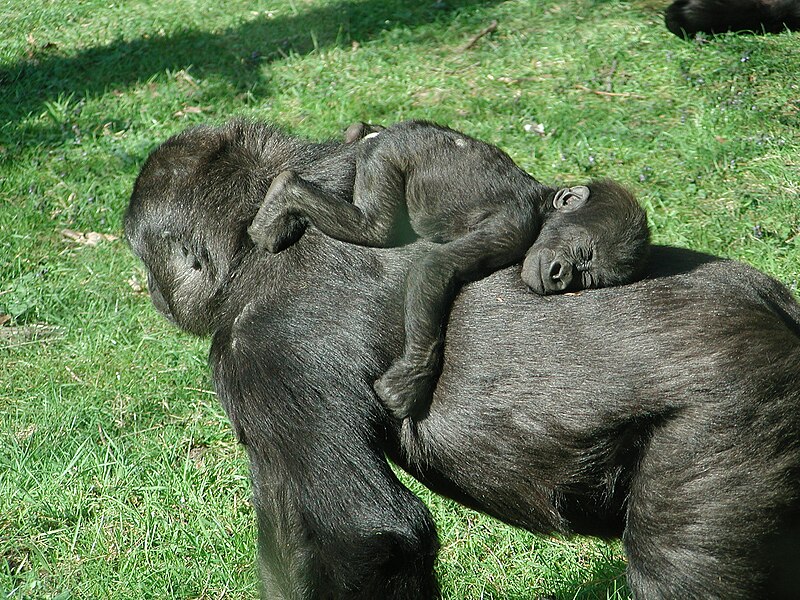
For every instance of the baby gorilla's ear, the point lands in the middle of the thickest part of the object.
(569, 199)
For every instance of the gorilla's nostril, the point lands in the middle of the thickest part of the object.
(556, 270)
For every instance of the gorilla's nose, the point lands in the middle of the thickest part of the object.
(546, 271)
(559, 275)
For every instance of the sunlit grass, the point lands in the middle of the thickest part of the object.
(119, 477)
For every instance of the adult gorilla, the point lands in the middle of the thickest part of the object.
(685, 18)
(667, 411)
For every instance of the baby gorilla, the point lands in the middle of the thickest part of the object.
(483, 211)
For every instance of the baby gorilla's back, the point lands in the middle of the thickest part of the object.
(453, 182)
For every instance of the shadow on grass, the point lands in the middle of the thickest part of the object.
(235, 53)
(606, 582)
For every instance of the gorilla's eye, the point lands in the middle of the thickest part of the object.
(587, 280)
(191, 258)
(583, 256)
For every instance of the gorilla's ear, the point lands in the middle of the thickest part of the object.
(569, 199)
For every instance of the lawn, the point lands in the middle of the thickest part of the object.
(119, 475)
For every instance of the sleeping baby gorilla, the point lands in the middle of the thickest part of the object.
(484, 212)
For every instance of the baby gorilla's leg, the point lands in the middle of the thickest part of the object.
(370, 220)
(406, 388)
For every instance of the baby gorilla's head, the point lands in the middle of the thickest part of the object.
(594, 236)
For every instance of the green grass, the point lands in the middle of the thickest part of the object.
(119, 477)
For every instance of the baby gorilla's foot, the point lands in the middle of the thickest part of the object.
(273, 228)
(406, 390)
(284, 231)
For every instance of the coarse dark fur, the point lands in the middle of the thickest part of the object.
(685, 18)
(484, 212)
(666, 412)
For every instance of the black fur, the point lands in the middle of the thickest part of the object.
(484, 212)
(685, 18)
(666, 411)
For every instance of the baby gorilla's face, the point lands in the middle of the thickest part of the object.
(595, 236)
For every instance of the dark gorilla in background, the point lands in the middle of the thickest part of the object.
(685, 18)
(666, 412)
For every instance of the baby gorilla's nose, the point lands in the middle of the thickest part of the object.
(559, 276)
(546, 271)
